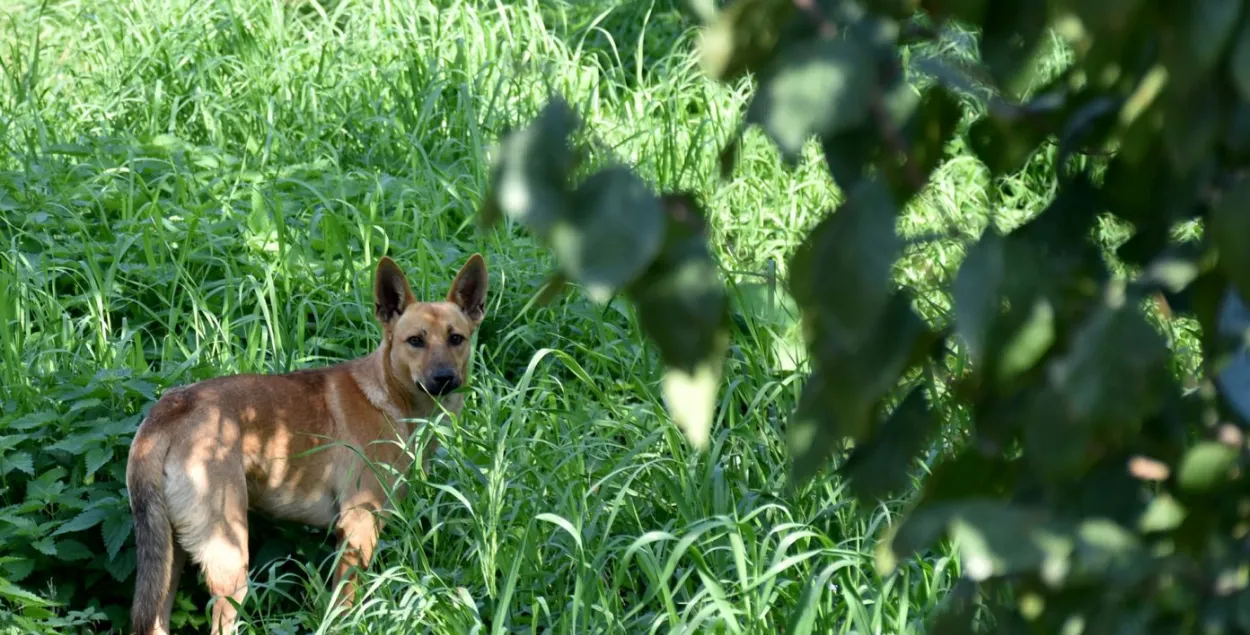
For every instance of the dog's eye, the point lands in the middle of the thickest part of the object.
(416, 341)
(456, 339)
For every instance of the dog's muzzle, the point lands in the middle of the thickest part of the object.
(441, 382)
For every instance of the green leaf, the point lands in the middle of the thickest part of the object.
(1116, 372)
(116, 530)
(880, 467)
(1205, 466)
(97, 458)
(841, 274)
(85, 520)
(683, 308)
(1239, 61)
(978, 288)
(1163, 513)
(616, 233)
(72, 551)
(811, 434)
(1011, 33)
(1230, 232)
(20, 461)
(742, 37)
(1004, 146)
(994, 538)
(1210, 25)
(814, 88)
(529, 175)
(20, 596)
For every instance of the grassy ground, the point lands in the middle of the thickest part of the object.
(190, 188)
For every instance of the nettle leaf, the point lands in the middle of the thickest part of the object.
(840, 274)
(20, 461)
(742, 37)
(116, 529)
(879, 467)
(85, 520)
(819, 88)
(614, 235)
(529, 175)
(97, 458)
(72, 551)
(682, 306)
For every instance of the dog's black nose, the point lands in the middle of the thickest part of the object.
(443, 381)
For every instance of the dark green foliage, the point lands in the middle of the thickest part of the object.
(1094, 491)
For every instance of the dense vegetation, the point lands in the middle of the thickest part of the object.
(194, 188)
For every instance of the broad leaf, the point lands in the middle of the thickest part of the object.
(812, 432)
(683, 308)
(840, 275)
(1205, 466)
(530, 172)
(881, 466)
(742, 37)
(1230, 231)
(815, 88)
(1239, 61)
(615, 234)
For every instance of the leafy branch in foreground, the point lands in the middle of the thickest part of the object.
(1095, 494)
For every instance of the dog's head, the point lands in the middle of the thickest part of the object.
(427, 343)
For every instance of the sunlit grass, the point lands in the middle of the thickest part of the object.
(194, 188)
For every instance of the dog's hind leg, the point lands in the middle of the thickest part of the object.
(210, 505)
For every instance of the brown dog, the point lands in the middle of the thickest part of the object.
(208, 452)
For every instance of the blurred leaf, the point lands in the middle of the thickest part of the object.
(683, 308)
(1005, 147)
(811, 435)
(529, 174)
(1011, 33)
(1239, 61)
(742, 37)
(1210, 25)
(840, 274)
(880, 467)
(977, 290)
(995, 538)
(814, 88)
(691, 398)
(1115, 373)
(1163, 514)
(1205, 466)
(1230, 232)
(617, 231)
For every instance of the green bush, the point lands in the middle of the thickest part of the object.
(1099, 488)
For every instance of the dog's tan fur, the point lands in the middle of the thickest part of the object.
(208, 452)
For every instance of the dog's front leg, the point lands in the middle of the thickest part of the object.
(357, 530)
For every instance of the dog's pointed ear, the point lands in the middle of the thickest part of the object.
(391, 293)
(468, 290)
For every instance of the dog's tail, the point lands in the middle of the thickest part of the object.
(154, 533)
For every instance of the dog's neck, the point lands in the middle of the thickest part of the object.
(387, 393)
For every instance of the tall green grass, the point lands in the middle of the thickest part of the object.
(196, 187)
